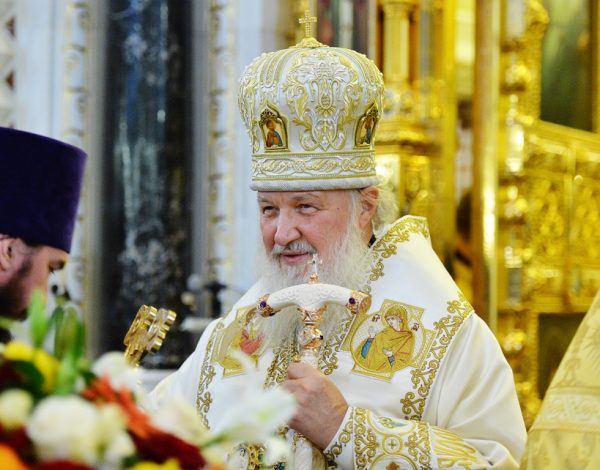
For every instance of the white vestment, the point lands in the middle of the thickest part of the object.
(445, 399)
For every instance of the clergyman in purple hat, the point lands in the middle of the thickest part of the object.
(40, 185)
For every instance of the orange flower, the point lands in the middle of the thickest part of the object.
(101, 391)
(10, 460)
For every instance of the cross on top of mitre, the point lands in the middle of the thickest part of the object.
(309, 40)
(307, 21)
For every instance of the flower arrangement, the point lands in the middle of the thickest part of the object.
(59, 411)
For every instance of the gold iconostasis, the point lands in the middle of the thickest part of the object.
(490, 130)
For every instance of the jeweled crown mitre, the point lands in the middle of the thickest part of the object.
(311, 112)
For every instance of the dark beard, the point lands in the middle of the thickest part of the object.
(11, 293)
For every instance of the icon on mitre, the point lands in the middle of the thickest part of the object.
(365, 129)
(273, 129)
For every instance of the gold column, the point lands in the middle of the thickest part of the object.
(596, 67)
(485, 145)
(396, 46)
(416, 138)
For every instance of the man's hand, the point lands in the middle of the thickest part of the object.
(321, 406)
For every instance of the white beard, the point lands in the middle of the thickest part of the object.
(346, 263)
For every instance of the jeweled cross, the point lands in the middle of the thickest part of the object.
(315, 261)
(306, 21)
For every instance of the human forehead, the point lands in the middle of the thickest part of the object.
(295, 197)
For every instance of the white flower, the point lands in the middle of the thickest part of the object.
(277, 450)
(111, 420)
(258, 414)
(121, 373)
(15, 406)
(65, 427)
(179, 418)
(117, 449)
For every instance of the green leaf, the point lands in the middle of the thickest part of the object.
(69, 347)
(56, 320)
(39, 324)
(66, 378)
(77, 339)
(6, 323)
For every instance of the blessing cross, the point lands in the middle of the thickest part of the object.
(306, 20)
(147, 332)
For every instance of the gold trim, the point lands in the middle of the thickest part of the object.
(207, 374)
(358, 303)
(385, 247)
(328, 361)
(264, 308)
(343, 439)
(312, 167)
(365, 440)
(378, 440)
(573, 408)
(422, 379)
(277, 371)
(452, 451)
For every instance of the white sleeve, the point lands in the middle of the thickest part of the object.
(476, 396)
(472, 419)
(185, 380)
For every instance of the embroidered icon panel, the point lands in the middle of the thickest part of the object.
(242, 335)
(388, 340)
(274, 129)
(364, 134)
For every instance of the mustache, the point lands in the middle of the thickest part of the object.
(294, 247)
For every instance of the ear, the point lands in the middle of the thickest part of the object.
(6, 253)
(368, 207)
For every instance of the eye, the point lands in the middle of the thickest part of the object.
(268, 210)
(307, 208)
(52, 268)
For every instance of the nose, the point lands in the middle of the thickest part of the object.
(287, 230)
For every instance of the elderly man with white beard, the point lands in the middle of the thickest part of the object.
(430, 389)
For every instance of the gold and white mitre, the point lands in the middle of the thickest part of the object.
(311, 112)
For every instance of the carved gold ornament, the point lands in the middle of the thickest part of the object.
(147, 332)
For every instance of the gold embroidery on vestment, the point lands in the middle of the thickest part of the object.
(452, 451)
(387, 443)
(422, 378)
(328, 360)
(277, 371)
(385, 246)
(207, 374)
(381, 347)
(242, 335)
(343, 439)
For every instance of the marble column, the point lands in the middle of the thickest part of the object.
(147, 173)
(7, 62)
